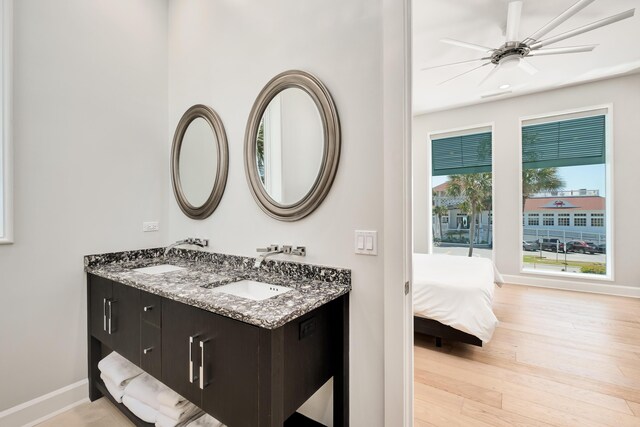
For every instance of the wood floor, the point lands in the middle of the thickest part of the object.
(100, 413)
(557, 358)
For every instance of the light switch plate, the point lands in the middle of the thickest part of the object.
(366, 242)
(150, 226)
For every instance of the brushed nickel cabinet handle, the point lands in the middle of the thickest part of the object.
(148, 308)
(192, 339)
(202, 381)
(147, 350)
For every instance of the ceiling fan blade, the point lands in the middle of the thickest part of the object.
(467, 45)
(560, 50)
(585, 28)
(513, 20)
(462, 74)
(526, 66)
(491, 73)
(454, 63)
(577, 7)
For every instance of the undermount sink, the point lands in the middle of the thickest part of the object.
(251, 289)
(158, 269)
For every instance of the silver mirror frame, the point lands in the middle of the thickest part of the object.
(210, 205)
(331, 150)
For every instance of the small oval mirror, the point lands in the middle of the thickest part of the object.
(199, 162)
(292, 145)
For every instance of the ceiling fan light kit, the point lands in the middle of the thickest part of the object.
(512, 53)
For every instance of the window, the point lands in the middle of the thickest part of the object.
(563, 220)
(564, 174)
(462, 160)
(597, 220)
(5, 111)
(579, 220)
(445, 219)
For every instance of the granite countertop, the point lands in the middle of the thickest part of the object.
(312, 285)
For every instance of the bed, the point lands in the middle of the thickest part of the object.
(453, 296)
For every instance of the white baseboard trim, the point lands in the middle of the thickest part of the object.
(595, 288)
(41, 408)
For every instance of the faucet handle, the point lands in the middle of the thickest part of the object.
(270, 248)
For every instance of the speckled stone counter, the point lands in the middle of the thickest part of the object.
(312, 285)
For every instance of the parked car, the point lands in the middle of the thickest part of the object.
(593, 246)
(601, 248)
(530, 246)
(580, 246)
(552, 245)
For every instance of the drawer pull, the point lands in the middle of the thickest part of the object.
(147, 350)
(109, 320)
(148, 308)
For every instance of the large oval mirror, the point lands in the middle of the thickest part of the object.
(292, 145)
(199, 162)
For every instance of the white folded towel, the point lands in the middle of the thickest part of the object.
(170, 398)
(164, 421)
(145, 388)
(118, 369)
(113, 389)
(180, 412)
(205, 421)
(145, 412)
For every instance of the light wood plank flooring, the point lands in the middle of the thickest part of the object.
(100, 413)
(557, 358)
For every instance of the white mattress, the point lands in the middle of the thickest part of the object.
(456, 291)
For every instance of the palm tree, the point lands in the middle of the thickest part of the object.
(538, 180)
(476, 190)
(440, 211)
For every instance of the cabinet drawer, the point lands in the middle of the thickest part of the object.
(151, 349)
(151, 308)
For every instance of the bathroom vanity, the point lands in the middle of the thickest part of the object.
(249, 360)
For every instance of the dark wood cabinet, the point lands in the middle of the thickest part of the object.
(243, 375)
(114, 318)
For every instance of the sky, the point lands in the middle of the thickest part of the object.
(591, 177)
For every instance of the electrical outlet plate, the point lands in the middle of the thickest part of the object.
(150, 226)
(366, 242)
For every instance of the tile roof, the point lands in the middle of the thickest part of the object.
(569, 204)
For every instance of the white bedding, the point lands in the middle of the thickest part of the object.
(456, 291)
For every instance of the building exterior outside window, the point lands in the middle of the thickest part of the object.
(548, 219)
(580, 219)
(534, 219)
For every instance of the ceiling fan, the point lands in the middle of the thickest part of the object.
(512, 52)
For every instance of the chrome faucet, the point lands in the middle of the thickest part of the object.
(266, 252)
(275, 249)
(203, 243)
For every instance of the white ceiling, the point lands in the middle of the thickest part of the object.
(483, 21)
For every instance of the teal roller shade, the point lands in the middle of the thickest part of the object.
(572, 142)
(461, 154)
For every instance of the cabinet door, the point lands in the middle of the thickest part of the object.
(125, 321)
(181, 329)
(99, 295)
(230, 361)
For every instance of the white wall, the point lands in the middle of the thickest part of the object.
(622, 92)
(90, 113)
(222, 54)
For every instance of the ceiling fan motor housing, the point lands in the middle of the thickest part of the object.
(509, 49)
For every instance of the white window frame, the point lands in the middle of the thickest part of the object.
(489, 126)
(6, 148)
(609, 204)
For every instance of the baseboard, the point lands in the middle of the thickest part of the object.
(569, 285)
(41, 408)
